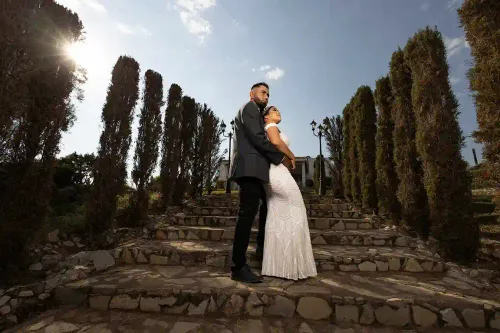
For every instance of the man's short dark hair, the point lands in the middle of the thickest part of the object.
(259, 84)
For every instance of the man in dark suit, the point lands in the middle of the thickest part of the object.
(252, 156)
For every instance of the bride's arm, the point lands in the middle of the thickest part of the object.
(274, 136)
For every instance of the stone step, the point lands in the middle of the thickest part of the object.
(230, 221)
(387, 299)
(93, 321)
(327, 257)
(233, 211)
(234, 201)
(320, 237)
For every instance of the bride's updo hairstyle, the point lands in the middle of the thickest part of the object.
(266, 111)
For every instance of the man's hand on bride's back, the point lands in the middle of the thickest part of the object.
(289, 163)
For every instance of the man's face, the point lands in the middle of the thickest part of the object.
(260, 96)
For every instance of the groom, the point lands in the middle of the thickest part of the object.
(252, 156)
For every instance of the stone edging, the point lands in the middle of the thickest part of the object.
(394, 312)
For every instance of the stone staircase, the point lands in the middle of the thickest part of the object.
(370, 279)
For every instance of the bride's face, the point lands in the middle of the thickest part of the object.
(274, 116)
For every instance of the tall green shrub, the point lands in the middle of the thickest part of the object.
(387, 179)
(114, 144)
(411, 192)
(439, 142)
(365, 132)
(347, 146)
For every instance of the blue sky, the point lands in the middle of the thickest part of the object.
(314, 54)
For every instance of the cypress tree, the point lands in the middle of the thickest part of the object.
(186, 137)
(439, 142)
(114, 144)
(347, 169)
(354, 151)
(171, 144)
(147, 144)
(411, 192)
(334, 137)
(482, 29)
(387, 180)
(366, 118)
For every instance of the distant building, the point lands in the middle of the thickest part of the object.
(303, 173)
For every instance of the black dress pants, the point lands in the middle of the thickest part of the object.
(252, 193)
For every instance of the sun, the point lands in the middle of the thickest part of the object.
(87, 55)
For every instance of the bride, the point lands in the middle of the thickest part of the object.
(287, 246)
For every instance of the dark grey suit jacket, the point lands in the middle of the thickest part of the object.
(253, 152)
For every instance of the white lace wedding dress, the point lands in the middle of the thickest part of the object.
(287, 246)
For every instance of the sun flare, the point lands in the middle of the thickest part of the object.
(86, 55)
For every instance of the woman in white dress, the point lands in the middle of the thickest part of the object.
(287, 247)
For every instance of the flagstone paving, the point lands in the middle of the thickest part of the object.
(90, 321)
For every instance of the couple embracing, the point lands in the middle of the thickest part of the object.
(260, 166)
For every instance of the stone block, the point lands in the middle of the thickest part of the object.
(150, 304)
(474, 318)
(367, 315)
(413, 266)
(314, 308)
(99, 303)
(281, 307)
(387, 316)
(124, 302)
(346, 314)
(367, 266)
(158, 260)
(423, 317)
(450, 318)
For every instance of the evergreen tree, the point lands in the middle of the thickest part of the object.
(114, 144)
(188, 126)
(319, 159)
(334, 137)
(171, 144)
(365, 132)
(439, 142)
(482, 30)
(387, 180)
(411, 192)
(214, 157)
(354, 151)
(347, 147)
(147, 145)
(206, 150)
(36, 108)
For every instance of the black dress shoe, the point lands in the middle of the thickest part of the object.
(245, 274)
(259, 253)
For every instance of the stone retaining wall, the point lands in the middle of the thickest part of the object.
(369, 262)
(394, 312)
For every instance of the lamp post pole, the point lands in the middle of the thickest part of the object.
(318, 132)
(230, 136)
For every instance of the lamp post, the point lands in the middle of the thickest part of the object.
(318, 132)
(473, 150)
(230, 136)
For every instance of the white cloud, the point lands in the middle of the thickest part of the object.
(265, 67)
(275, 74)
(454, 80)
(454, 4)
(96, 5)
(75, 5)
(190, 12)
(132, 30)
(425, 6)
(455, 45)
